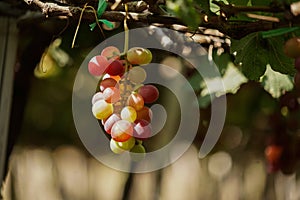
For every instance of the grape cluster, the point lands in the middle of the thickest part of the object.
(120, 100)
(292, 50)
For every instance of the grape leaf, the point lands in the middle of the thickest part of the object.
(278, 32)
(251, 54)
(277, 59)
(230, 83)
(276, 83)
(185, 11)
(239, 2)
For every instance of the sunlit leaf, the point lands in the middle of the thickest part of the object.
(276, 83)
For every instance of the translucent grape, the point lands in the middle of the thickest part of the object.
(122, 131)
(145, 113)
(97, 96)
(127, 145)
(142, 129)
(108, 82)
(111, 95)
(149, 93)
(97, 65)
(137, 75)
(136, 101)
(128, 113)
(138, 152)
(139, 56)
(102, 110)
(115, 147)
(110, 121)
(111, 52)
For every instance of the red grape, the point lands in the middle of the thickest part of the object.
(145, 113)
(292, 47)
(115, 68)
(149, 93)
(273, 153)
(136, 101)
(108, 82)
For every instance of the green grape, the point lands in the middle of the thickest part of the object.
(139, 56)
(128, 113)
(127, 145)
(138, 152)
(115, 147)
(102, 110)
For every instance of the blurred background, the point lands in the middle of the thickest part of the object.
(48, 161)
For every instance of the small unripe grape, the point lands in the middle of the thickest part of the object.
(110, 121)
(111, 95)
(138, 152)
(122, 131)
(127, 145)
(292, 47)
(149, 93)
(97, 65)
(108, 82)
(111, 52)
(97, 96)
(128, 113)
(102, 110)
(139, 56)
(115, 147)
(136, 101)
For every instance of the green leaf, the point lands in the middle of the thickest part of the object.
(251, 54)
(279, 31)
(104, 21)
(239, 2)
(185, 11)
(222, 61)
(102, 4)
(276, 83)
(276, 57)
(215, 8)
(260, 2)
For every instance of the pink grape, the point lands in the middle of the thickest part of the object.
(110, 121)
(136, 101)
(122, 131)
(111, 52)
(97, 96)
(149, 93)
(111, 95)
(108, 82)
(98, 65)
(142, 129)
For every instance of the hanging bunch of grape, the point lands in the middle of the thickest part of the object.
(292, 50)
(121, 97)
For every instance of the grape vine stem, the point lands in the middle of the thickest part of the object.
(230, 28)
